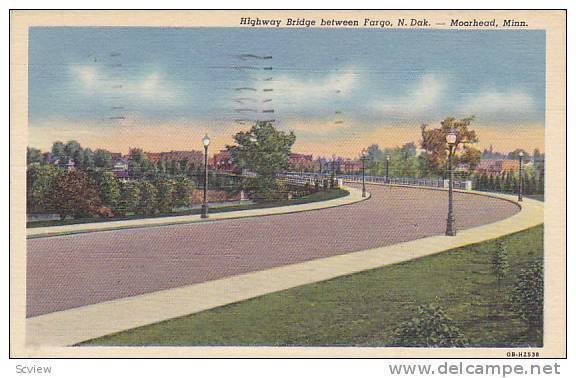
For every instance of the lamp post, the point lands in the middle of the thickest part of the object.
(206, 143)
(387, 166)
(333, 175)
(363, 158)
(521, 178)
(450, 228)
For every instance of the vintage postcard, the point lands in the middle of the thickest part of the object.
(288, 183)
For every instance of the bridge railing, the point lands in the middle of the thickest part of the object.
(298, 179)
(409, 181)
(304, 177)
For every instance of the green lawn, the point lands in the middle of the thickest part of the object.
(364, 309)
(314, 197)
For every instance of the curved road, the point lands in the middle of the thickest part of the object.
(71, 271)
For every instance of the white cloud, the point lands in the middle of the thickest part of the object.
(422, 97)
(87, 76)
(148, 87)
(307, 92)
(492, 101)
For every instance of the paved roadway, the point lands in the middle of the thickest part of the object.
(70, 271)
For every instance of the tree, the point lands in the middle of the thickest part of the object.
(88, 159)
(58, 149)
(498, 183)
(506, 182)
(403, 161)
(533, 184)
(148, 169)
(134, 170)
(430, 327)
(434, 144)
(74, 193)
(109, 188)
(541, 182)
(409, 149)
(470, 156)
(528, 295)
(514, 155)
(491, 183)
(500, 265)
(165, 195)
(161, 167)
(102, 158)
(33, 155)
(482, 182)
(39, 178)
(73, 150)
(129, 198)
(182, 191)
(148, 198)
(263, 150)
(373, 153)
(138, 164)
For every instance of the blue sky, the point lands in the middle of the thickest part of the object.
(170, 85)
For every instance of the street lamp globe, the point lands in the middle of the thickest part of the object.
(451, 138)
(206, 140)
(521, 154)
(387, 157)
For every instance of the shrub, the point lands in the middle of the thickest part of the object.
(165, 195)
(39, 178)
(129, 198)
(148, 199)
(431, 327)
(74, 193)
(109, 188)
(500, 262)
(183, 191)
(528, 295)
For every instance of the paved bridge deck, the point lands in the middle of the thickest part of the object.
(76, 270)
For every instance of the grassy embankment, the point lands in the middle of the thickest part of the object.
(364, 309)
(314, 197)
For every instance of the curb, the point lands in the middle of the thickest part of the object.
(502, 196)
(353, 196)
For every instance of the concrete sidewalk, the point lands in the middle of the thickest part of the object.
(72, 326)
(354, 196)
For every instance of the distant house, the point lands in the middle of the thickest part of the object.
(193, 159)
(120, 164)
(120, 168)
(462, 167)
(497, 166)
(154, 157)
(115, 155)
(222, 161)
(67, 164)
(301, 162)
(343, 166)
(351, 167)
(295, 158)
